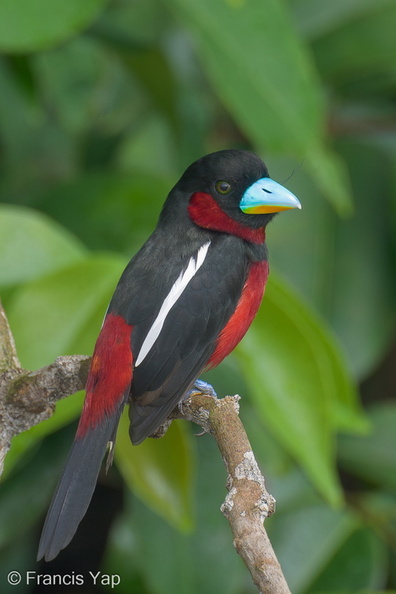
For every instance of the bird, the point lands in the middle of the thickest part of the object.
(183, 303)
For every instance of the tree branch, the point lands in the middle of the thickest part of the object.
(27, 398)
(248, 502)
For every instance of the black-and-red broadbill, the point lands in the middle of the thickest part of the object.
(183, 303)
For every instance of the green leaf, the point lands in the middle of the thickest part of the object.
(27, 26)
(160, 472)
(373, 457)
(122, 223)
(276, 101)
(32, 245)
(318, 17)
(131, 25)
(359, 56)
(61, 313)
(331, 177)
(35, 150)
(357, 566)
(328, 258)
(300, 243)
(151, 150)
(90, 97)
(322, 530)
(299, 384)
(362, 293)
(24, 495)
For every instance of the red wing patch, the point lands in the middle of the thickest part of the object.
(110, 375)
(246, 309)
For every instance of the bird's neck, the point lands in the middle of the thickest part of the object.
(205, 212)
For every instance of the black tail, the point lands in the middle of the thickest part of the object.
(75, 488)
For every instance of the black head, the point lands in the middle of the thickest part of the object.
(225, 175)
(230, 184)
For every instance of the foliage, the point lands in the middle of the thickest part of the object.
(102, 105)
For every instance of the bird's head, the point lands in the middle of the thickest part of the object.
(230, 190)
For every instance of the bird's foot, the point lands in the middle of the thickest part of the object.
(201, 387)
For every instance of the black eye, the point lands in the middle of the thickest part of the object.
(223, 187)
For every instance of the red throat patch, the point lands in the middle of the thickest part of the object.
(110, 375)
(205, 212)
(243, 316)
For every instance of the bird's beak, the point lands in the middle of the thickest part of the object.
(266, 196)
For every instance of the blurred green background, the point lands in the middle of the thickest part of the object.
(103, 103)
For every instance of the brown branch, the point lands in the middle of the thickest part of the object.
(248, 502)
(27, 398)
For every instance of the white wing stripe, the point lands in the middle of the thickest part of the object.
(177, 289)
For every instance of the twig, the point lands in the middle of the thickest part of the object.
(248, 502)
(27, 398)
(8, 355)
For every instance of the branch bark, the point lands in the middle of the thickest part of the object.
(27, 398)
(248, 503)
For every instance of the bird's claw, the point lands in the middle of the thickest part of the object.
(201, 387)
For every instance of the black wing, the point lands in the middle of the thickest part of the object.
(191, 328)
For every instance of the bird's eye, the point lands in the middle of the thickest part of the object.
(223, 187)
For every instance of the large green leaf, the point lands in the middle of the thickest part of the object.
(259, 68)
(331, 177)
(131, 25)
(359, 565)
(299, 383)
(317, 17)
(324, 550)
(27, 26)
(90, 94)
(31, 245)
(307, 538)
(60, 314)
(359, 57)
(343, 266)
(25, 494)
(120, 223)
(373, 457)
(300, 243)
(160, 472)
(362, 298)
(34, 150)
